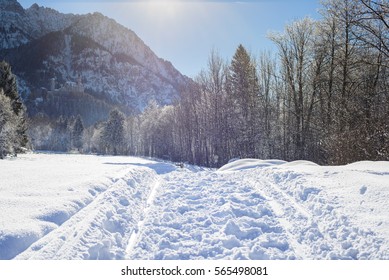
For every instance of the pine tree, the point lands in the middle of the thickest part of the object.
(9, 89)
(8, 84)
(245, 98)
(8, 126)
(77, 132)
(60, 137)
(112, 136)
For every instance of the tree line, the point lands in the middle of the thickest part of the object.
(323, 97)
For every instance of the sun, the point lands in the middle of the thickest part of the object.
(164, 9)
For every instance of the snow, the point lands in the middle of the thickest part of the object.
(58, 206)
(62, 194)
(248, 163)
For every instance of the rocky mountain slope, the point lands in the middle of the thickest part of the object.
(111, 61)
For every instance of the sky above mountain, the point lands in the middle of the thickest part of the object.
(184, 32)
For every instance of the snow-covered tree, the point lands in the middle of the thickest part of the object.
(245, 101)
(212, 108)
(60, 139)
(9, 89)
(8, 84)
(112, 136)
(8, 127)
(298, 69)
(372, 24)
(77, 133)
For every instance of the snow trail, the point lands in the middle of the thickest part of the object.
(143, 209)
(265, 213)
(101, 229)
(289, 214)
(206, 215)
(135, 232)
(315, 222)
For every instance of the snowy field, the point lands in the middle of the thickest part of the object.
(97, 207)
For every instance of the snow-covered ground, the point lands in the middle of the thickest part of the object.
(96, 207)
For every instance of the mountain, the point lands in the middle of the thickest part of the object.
(113, 64)
(19, 26)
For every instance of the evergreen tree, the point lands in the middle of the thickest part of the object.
(9, 89)
(60, 138)
(8, 127)
(245, 98)
(77, 132)
(8, 84)
(112, 136)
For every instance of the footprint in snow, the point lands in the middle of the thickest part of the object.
(363, 190)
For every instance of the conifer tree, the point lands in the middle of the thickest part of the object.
(113, 133)
(9, 89)
(77, 132)
(8, 126)
(8, 84)
(60, 138)
(244, 94)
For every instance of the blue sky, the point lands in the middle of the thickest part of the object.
(184, 32)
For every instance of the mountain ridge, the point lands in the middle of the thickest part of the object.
(112, 61)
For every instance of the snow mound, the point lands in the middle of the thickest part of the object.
(373, 167)
(242, 164)
(300, 163)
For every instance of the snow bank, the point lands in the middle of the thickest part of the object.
(301, 163)
(376, 167)
(242, 164)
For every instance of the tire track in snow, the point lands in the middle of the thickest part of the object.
(321, 232)
(100, 230)
(303, 231)
(278, 202)
(293, 217)
(134, 238)
(208, 215)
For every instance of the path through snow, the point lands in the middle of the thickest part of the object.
(209, 215)
(248, 209)
(250, 214)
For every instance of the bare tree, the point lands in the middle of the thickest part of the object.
(372, 22)
(296, 52)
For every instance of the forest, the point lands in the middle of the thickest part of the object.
(322, 97)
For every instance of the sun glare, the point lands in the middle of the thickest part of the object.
(163, 9)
